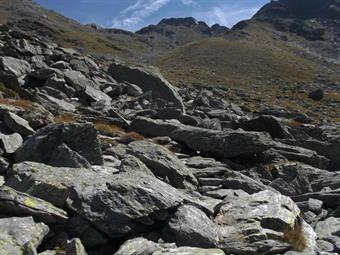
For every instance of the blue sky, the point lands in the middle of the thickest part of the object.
(135, 14)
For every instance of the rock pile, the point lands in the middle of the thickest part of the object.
(118, 161)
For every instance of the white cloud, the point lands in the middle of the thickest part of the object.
(135, 14)
(188, 2)
(223, 15)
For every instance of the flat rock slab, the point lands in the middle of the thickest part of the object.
(20, 234)
(116, 204)
(18, 124)
(143, 246)
(163, 163)
(229, 143)
(13, 202)
(14, 66)
(44, 145)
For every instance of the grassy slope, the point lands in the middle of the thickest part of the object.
(261, 59)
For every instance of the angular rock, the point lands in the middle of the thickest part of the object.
(83, 229)
(10, 143)
(295, 153)
(130, 164)
(163, 163)
(13, 66)
(189, 226)
(64, 156)
(227, 144)
(255, 223)
(296, 178)
(80, 138)
(148, 80)
(316, 95)
(54, 104)
(327, 228)
(267, 123)
(16, 203)
(75, 247)
(142, 246)
(18, 233)
(115, 204)
(18, 124)
(38, 116)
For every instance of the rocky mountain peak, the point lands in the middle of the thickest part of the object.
(300, 9)
(188, 21)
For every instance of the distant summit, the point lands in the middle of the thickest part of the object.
(183, 30)
(300, 9)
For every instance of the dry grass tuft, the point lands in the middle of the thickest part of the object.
(109, 129)
(296, 237)
(22, 103)
(65, 118)
(295, 124)
(130, 137)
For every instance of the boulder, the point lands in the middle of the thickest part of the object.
(65, 156)
(54, 104)
(295, 153)
(37, 116)
(43, 146)
(10, 143)
(75, 247)
(90, 237)
(328, 227)
(163, 163)
(18, 124)
(267, 123)
(21, 235)
(13, 66)
(86, 89)
(297, 178)
(256, 223)
(189, 226)
(142, 246)
(148, 79)
(16, 203)
(115, 204)
(228, 143)
(316, 95)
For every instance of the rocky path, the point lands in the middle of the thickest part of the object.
(116, 160)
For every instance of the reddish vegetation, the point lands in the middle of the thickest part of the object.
(65, 118)
(25, 104)
(109, 129)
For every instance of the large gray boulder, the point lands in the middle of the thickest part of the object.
(294, 178)
(20, 236)
(13, 66)
(45, 146)
(148, 79)
(10, 143)
(267, 123)
(115, 204)
(163, 163)
(328, 228)
(295, 153)
(18, 124)
(86, 89)
(256, 223)
(189, 226)
(228, 143)
(16, 203)
(142, 246)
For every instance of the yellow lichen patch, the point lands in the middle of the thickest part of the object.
(29, 202)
